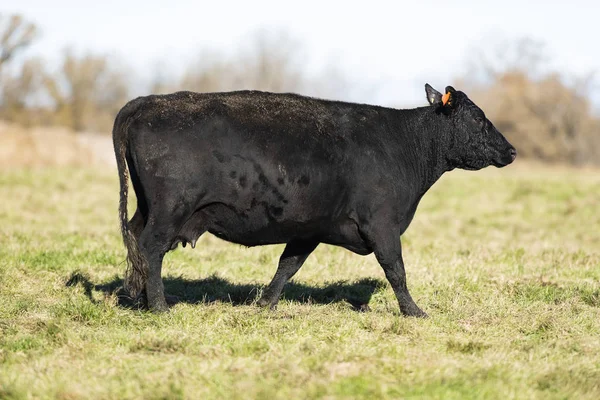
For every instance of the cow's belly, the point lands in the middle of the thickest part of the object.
(259, 226)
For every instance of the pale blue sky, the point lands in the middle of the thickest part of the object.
(398, 44)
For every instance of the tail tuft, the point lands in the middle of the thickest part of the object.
(137, 265)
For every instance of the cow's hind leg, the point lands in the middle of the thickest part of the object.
(136, 226)
(155, 241)
(291, 260)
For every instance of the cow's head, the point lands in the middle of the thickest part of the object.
(475, 142)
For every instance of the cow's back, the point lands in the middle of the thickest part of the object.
(285, 114)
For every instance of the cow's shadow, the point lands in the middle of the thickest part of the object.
(216, 289)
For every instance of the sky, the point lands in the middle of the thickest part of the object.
(389, 47)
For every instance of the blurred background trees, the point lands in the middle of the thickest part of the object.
(86, 92)
(16, 86)
(16, 34)
(548, 116)
(268, 62)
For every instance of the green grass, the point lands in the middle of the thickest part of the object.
(506, 263)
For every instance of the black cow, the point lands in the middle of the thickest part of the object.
(259, 168)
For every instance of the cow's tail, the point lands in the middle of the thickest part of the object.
(137, 265)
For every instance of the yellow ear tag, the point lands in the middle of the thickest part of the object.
(445, 98)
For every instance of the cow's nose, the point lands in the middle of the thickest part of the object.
(513, 154)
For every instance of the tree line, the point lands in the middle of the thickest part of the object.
(547, 115)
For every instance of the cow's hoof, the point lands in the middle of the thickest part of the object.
(159, 307)
(266, 303)
(421, 314)
(363, 308)
(414, 312)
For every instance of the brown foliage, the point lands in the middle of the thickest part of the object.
(542, 115)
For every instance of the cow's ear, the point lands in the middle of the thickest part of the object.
(433, 96)
(448, 99)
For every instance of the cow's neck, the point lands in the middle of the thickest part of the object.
(430, 133)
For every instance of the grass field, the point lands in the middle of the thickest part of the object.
(505, 262)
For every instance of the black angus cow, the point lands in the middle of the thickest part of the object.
(259, 168)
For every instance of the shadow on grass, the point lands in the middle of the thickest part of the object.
(216, 289)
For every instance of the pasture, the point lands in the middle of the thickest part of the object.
(505, 262)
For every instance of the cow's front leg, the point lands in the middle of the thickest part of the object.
(388, 251)
(291, 260)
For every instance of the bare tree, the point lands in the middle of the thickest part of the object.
(505, 56)
(211, 73)
(17, 87)
(87, 92)
(18, 92)
(15, 34)
(270, 61)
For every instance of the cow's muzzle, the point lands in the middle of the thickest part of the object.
(507, 158)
